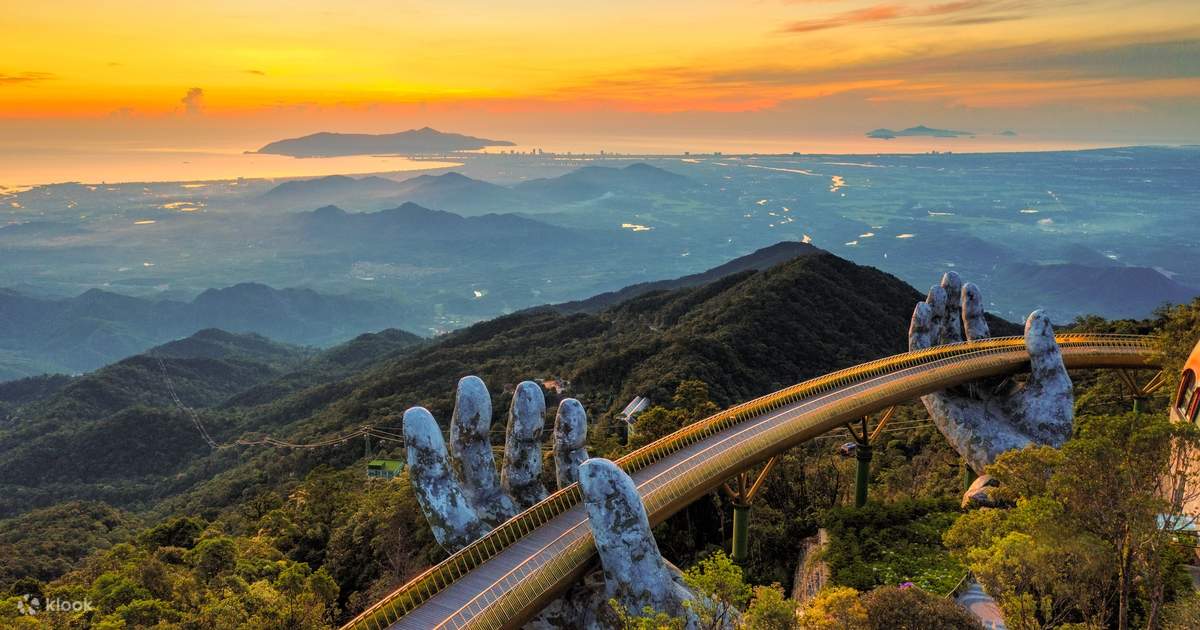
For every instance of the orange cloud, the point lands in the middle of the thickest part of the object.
(24, 77)
(889, 12)
(877, 13)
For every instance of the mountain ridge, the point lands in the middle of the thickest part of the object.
(755, 261)
(99, 327)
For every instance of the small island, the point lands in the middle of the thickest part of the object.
(918, 131)
(412, 142)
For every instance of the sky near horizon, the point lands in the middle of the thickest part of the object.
(223, 72)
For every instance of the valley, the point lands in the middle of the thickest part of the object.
(434, 252)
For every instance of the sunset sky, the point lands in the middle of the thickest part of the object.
(243, 72)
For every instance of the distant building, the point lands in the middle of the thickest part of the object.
(556, 385)
(635, 406)
(384, 468)
(627, 415)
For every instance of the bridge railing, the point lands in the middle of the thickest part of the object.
(429, 583)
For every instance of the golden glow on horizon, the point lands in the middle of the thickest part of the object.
(69, 59)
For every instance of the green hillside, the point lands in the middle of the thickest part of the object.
(743, 335)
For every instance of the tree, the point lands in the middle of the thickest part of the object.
(720, 588)
(1113, 481)
(689, 404)
(770, 610)
(648, 620)
(1087, 525)
(835, 608)
(1177, 328)
(177, 532)
(212, 556)
(691, 398)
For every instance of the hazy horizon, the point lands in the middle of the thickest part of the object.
(668, 77)
(112, 165)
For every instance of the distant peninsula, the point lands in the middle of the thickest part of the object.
(918, 131)
(411, 142)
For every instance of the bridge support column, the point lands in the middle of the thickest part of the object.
(1141, 393)
(862, 453)
(741, 533)
(862, 475)
(741, 498)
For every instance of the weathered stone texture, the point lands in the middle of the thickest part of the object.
(635, 573)
(984, 419)
(471, 451)
(570, 435)
(523, 447)
(446, 507)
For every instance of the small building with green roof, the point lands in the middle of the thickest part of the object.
(384, 468)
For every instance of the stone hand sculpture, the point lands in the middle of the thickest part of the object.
(986, 418)
(463, 498)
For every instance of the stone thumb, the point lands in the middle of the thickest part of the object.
(635, 573)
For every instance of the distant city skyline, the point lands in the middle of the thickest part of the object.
(619, 75)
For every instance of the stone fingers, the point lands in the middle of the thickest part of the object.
(973, 314)
(521, 478)
(952, 320)
(570, 433)
(936, 299)
(921, 327)
(471, 450)
(635, 573)
(1048, 400)
(447, 508)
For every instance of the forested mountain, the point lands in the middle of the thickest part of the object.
(331, 226)
(591, 182)
(320, 191)
(1117, 290)
(124, 425)
(461, 194)
(448, 191)
(743, 334)
(455, 192)
(99, 327)
(764, 258)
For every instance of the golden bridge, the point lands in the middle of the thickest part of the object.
(506, 577)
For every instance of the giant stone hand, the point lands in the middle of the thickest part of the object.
(463, 499)
(986, 418)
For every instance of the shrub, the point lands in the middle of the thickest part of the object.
(770, 610)
(895, 608)
(835, 608)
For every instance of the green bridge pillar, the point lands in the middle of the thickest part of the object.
(863, 475)
(741, 498)
(969, 476)
(741, 532)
